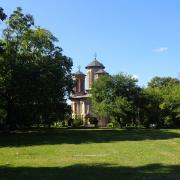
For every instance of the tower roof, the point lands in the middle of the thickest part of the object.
(79, 73)
(101, 71)
(95, 63)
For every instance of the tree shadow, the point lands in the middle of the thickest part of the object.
(78, 136)
(92, 172)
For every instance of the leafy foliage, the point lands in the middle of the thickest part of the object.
(35, 77)
(164, 99)
(120, 98)
(77, 122)
(116, 96)
(162, 82)
(2, 14)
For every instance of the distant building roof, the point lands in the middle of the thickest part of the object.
(101, 71)
(79, 73)
(95, 63)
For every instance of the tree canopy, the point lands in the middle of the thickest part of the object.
(124, 101)
(162, 82)
(35, 76)
(117, 97)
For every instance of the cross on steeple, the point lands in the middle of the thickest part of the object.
(95, 55)
(79, 67)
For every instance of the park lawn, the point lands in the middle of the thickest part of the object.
(90, 154)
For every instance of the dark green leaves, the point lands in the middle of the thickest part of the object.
(2, 14)
(35, 77)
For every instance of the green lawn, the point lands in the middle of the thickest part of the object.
(90, 154)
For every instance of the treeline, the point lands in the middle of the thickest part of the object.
(35, 76)
(120, 98)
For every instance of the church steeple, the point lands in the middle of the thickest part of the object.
(79, 82)
(92, 68)
(95, 64)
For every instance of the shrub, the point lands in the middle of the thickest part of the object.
(113, 124)
(93, 120)
(110, 125)
(77, 121)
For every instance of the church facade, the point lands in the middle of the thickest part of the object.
(80, 99)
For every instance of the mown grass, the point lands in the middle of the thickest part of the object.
(90, 154)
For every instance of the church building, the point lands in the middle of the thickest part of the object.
(80, 102)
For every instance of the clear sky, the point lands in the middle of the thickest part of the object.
(139, 37)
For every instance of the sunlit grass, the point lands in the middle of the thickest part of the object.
(90, 154)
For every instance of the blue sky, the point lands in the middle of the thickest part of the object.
(139, 37)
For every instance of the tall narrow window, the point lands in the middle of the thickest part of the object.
(82, 85)
(75, 108)
(77, 85)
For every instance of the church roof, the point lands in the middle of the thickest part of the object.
(95, 63)
(79, 73)
(101, 71)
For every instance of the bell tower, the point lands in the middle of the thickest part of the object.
(92, 68)
(79, 82)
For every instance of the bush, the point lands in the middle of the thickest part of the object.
(77, 122)
(61, 124)
(168, 121)
(110, 125)
(93, 120)
(113, 124)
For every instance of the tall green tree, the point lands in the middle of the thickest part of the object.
(35, 77)
(151, 111)
(170, 105)
(117, 97)
(162, 102)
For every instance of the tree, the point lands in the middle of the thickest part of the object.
(162, 102)
(151, 110)
(162, 82)
(117, 97)
(2, 14)
(35, 77)
(170, 105)
(2, 18)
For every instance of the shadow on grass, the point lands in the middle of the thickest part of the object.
(91, 172)
(78, 136)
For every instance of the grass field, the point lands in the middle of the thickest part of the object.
(90, 154)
